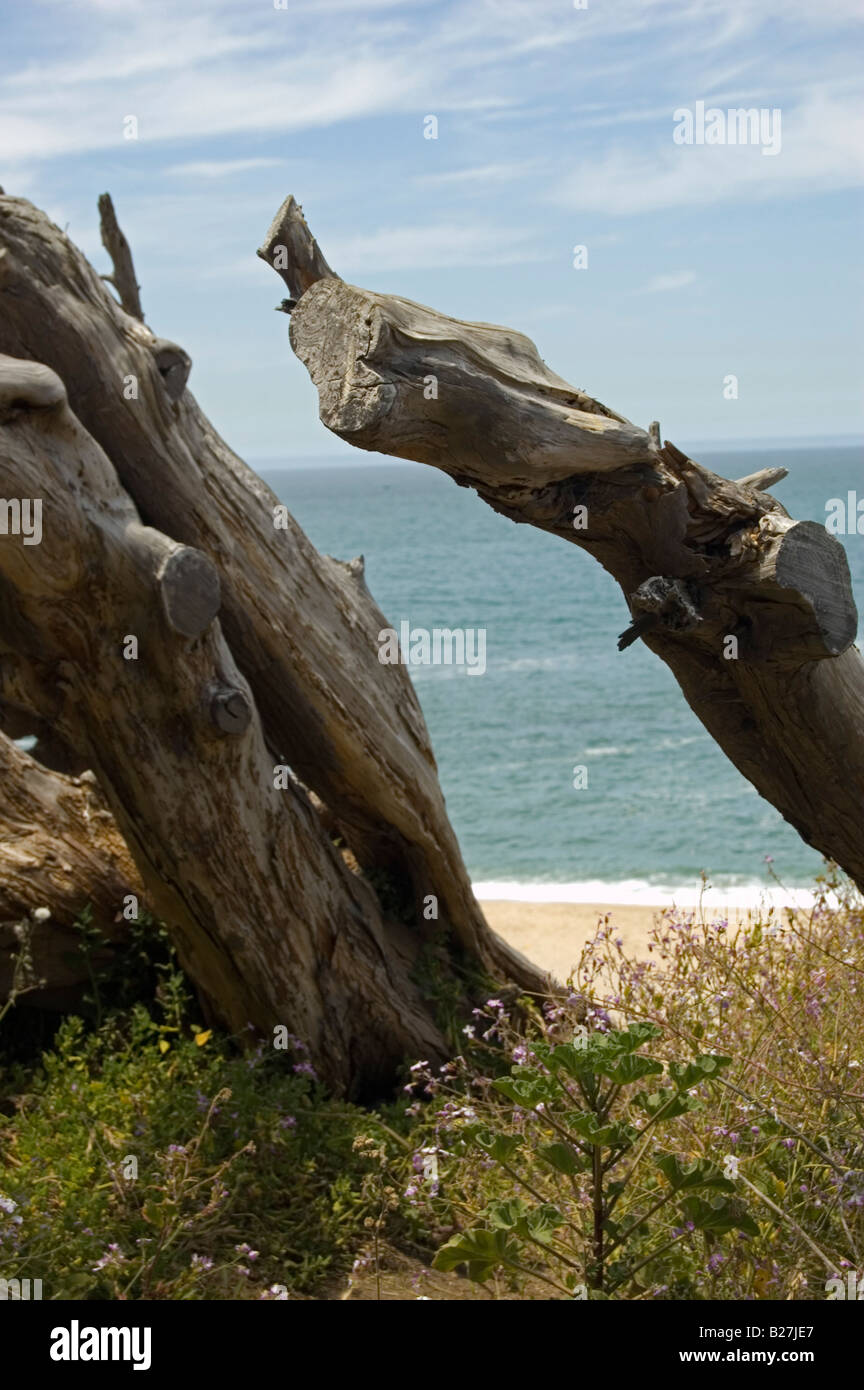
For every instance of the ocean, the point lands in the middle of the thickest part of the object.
(662, 805)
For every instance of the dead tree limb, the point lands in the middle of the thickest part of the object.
(753, 612)
(123, 278)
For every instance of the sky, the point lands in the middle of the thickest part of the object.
(555, 128)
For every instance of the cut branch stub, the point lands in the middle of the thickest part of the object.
(27, 386)
(292, 251)
(814, 565)
(189, 583)
(230, 710)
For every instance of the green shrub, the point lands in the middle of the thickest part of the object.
(147, 1157)
(727, 1164)
(686, 1126)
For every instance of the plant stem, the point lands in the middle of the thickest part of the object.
(599, 1215)
(831, 1266)
(661, 1202)
(622, 1283)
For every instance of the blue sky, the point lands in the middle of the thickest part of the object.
(554, 129)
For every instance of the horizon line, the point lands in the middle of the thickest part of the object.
(766, 444)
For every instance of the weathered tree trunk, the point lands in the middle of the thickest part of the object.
(297, 622)
(61, 850)
(752, 611)
(269, 921)
(109, 639)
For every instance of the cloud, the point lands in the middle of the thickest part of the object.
(432, 246)
(204, 71)
(660, 284)
(482, 174)
(589, 93)
(198, 103)
(822, 151)
(220, 168)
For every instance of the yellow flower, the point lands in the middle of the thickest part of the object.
(202, 1038)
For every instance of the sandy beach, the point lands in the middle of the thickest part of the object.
(552, 934)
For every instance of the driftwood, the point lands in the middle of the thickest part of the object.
(236, 753)
(269, 922)
(297, 622)
(61, 850)
(752, 611)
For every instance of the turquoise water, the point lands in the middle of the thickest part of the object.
(662, 802)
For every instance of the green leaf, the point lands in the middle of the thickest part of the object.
(562, 1157)
(616, 1135)
(528, 1092)
(505, 1214)
(599, 1051)
(718, 1216)
(637, 1035)
(498, 1146)
(631, 1068)
(606, 1052)
(515, 1215)
(686, 1075)
(544, 1221)
(686, 1176)
(480, 1250)
(678, 1103)
(577, 1062)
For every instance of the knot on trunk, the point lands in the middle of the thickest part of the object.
(660, 601)
(173, 365)
(230, 710)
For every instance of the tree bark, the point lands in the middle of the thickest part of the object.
(752, 612)
(61, 850)
(302, 626)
